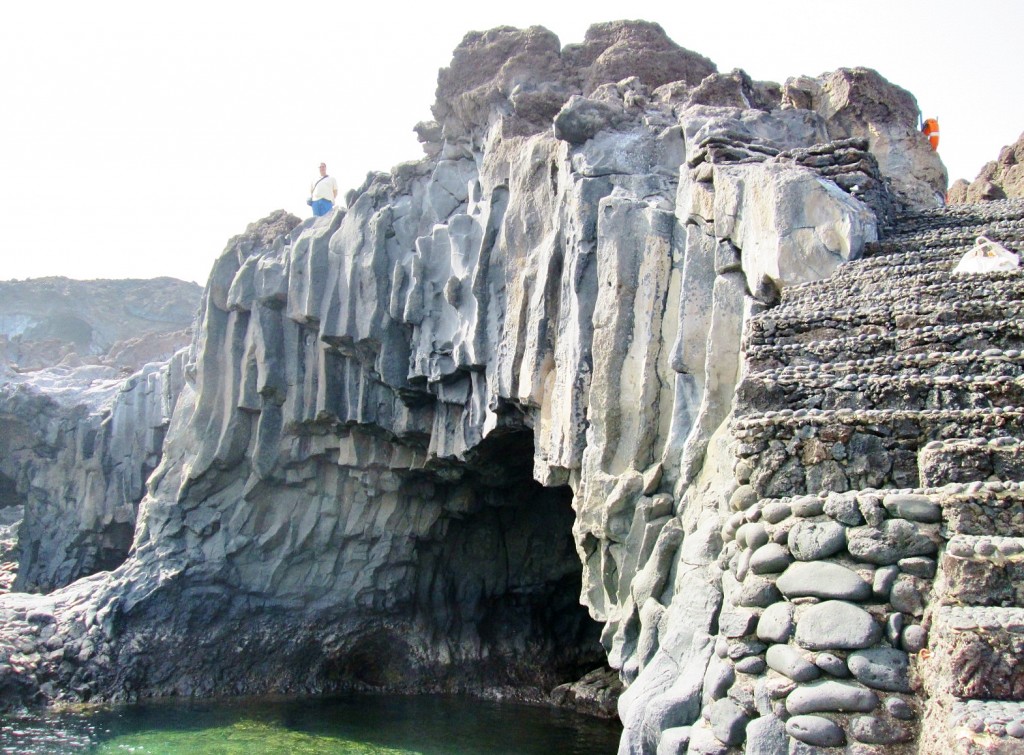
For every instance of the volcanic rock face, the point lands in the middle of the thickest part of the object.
(414, 433)
(76, 448)
(77, 441)
(1002, 178)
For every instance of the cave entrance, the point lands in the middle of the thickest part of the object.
(503, 580)
(12, 509)
(9, 496)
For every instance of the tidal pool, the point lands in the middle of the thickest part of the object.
(386, 725)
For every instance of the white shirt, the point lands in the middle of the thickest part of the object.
(326, 188)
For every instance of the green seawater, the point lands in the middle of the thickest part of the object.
(386, 725)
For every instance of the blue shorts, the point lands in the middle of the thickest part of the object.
(322, 207)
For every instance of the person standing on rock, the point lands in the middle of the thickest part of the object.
(322, 193)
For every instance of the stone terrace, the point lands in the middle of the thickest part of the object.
(874, 560)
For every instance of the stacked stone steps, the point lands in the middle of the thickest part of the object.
(905, 258)
(978, 650)
(973, 670)
(959, 215)
(972, 459)
(931, 281)
(953, 225)
(1000, 724)
(963, 339)
(984, 508)
(986, 387)
(861, 332)
(906, 314)
(956, 362)
(1009, 232)
(858, 301)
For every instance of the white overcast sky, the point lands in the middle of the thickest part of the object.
(137, 137)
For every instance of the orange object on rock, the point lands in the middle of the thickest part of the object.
(931, 130)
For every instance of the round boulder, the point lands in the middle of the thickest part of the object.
(822, 579)
(837, 625)
(815, 730)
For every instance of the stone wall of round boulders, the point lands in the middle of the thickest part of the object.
(824, 601)
(965, 380)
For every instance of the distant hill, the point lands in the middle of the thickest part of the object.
(125, 323)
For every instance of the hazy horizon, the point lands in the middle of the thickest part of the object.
(138, 141)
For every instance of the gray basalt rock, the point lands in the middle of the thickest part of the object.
(793, 253)
(815, 730)
(808, 506)
(776, 623)
(876, 731)
(770, 558)
(78, 440)
(893, 540)
(674, 741)
(728, 721)
(885, 578)
(613, 51)
(822, 579)
(485, 69)
(860, 102)
(78, 452)
(581, 119)
(758, 592)
(1002, 178)
(811, 541)
(826, 696)
(123, 324)
(752, 665)
(594, 694)
(899, 708)
(789, 662)
(907, 595)
(717, 680)
(704, 742)
(837, 625)
(766, 735)
(881, 668)
(832, 664)
(844, 509)
(917, 508)
(914, 638)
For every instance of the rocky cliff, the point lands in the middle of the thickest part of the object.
(1003, 178)
(78, 436)
(76, 448)
(413, 435)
